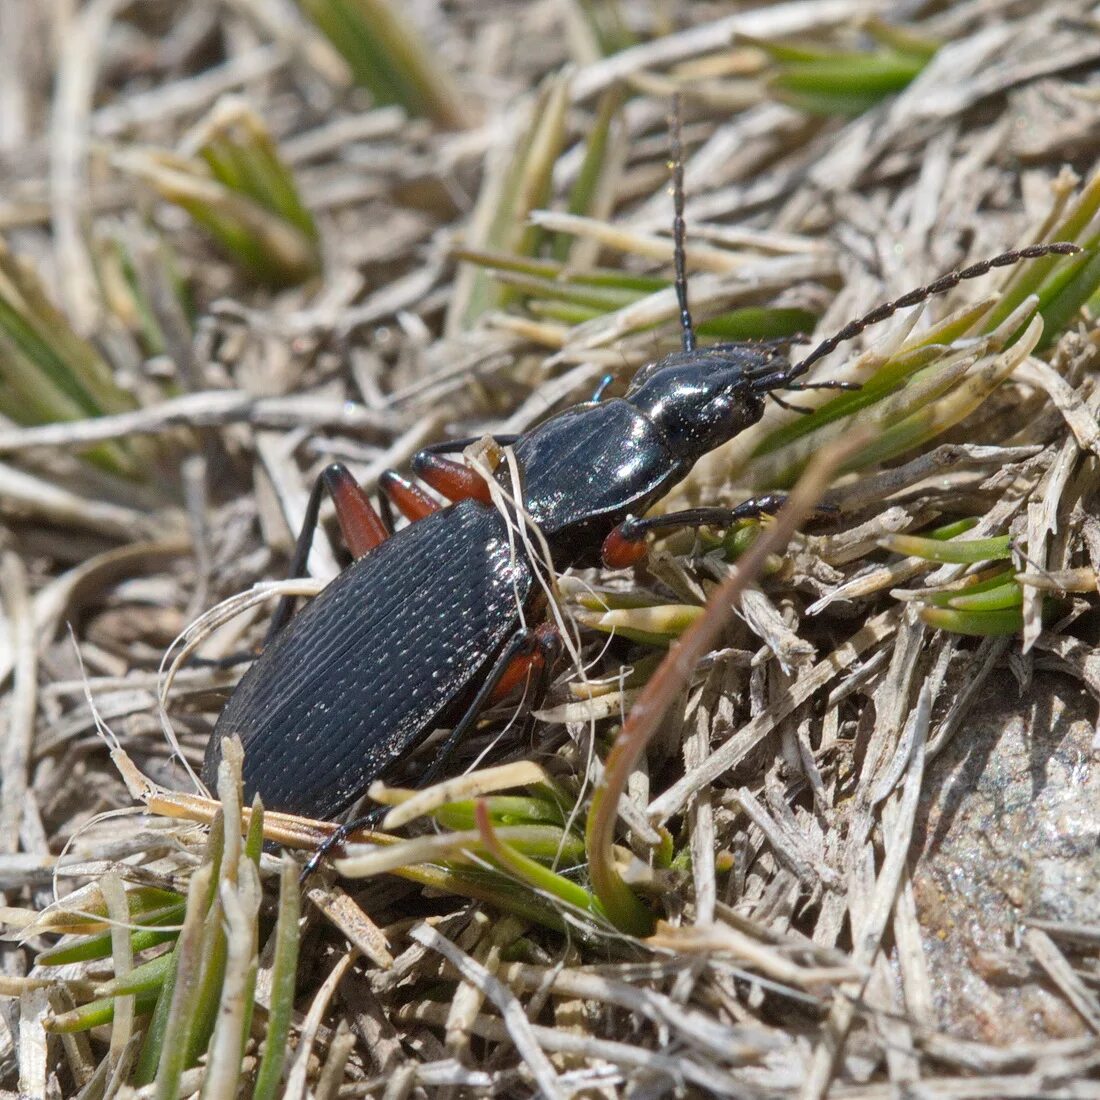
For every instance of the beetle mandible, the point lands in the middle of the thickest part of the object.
(429, 624)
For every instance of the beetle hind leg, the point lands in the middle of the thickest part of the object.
(529, 652)
(361, 526)
(531, 665)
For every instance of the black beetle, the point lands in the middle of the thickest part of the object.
(430, 623)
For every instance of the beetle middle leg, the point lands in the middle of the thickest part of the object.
(528, 651)
(625, 545)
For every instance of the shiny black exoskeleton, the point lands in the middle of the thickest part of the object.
(395, 646)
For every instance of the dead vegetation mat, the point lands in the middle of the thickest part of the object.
(867, 823)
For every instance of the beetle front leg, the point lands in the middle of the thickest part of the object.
(625, 545)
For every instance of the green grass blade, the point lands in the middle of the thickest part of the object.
(98, 946)
(389, 57)
(956, 551)
(242, 154)
(1036, 275)
(148, 977)
(283, 976)
(1066, 302)
(515, 184)
(757, 323)
(539, 878)
(587, 194)
(503, 810)
(239, 190)
(157, 1035)
(981, 624)
(998, 597)
(821, 80)
(185, 989)
(241, 906)
(97, 1013)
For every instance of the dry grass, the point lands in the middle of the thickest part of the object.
(866, 825)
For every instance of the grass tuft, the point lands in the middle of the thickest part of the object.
(388, 57)
(238, 189)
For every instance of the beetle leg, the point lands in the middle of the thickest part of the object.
(361, 526)
(385, 508)
(625, 545)
(790, 406)
(522, 641)
(601, 386)
(365, 821)
(530, 665)
(455, 480)
(412, 502)
(550, 647)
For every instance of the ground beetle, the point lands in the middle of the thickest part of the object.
(430, 624)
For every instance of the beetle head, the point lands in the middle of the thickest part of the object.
(703, 397)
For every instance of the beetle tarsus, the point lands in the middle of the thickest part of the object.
(339, 839)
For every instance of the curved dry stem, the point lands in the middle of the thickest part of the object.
(620, 903)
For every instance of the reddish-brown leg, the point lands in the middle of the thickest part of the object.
(622, 549)
(531, 663)
(360, 524)
(412, 502)
(625, 545)
(455, 480)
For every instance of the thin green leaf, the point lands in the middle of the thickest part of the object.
(585, 195)
(148, 977)
(513, 187)
(98, 946)
(1042, 276)
(503, 810)
(994, 598)
(757, 323)
(957, 551)
(976, 623)
(95, 1014)
(170, 1008)
(389, 57)
(539, 878)
(283, 977)
(185, 989)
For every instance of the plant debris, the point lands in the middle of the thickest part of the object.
(848, 848)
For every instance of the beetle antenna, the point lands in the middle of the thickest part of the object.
(943, 284)
(687, 329)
